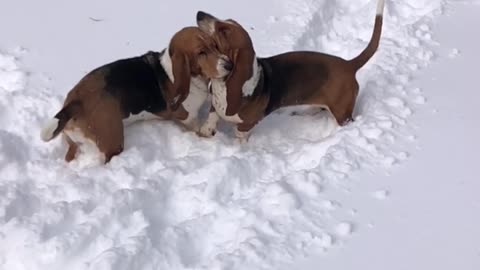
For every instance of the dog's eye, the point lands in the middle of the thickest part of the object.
(202, 53)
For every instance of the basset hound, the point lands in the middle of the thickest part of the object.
(258, 86)
(171, 84)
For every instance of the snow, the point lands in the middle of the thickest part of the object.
(173, 200)
(429, 220)
(381, 194)
(344, 229)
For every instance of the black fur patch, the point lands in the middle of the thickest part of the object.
(138, 83)
(289, 76)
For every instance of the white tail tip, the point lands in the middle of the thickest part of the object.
(380, 7)
(47, 131)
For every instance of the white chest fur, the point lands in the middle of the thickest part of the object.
(219, 101)
(197, 95)
(194, 101)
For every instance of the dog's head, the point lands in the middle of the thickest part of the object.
(233, 41)
(194, 53)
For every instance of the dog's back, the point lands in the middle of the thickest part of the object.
(137, 85)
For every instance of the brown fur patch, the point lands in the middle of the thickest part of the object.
(107, 95)
(294, 78)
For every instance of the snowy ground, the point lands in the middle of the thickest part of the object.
(431, 219)
(394, 189)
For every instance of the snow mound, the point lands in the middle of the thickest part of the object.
(172, 200)
(12, 79)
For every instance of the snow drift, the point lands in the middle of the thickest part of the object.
(173, 200)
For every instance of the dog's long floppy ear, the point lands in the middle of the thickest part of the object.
(242, 72)
(181, 79)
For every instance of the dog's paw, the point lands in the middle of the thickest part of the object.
(207, 131)
(241, 140)
(242, 136)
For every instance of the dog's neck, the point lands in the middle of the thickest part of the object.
(251, 84)
(248, 87)
(154, 59)
(166, 62)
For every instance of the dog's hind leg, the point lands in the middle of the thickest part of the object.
(72, 149)
(110, 138)
(106, 127)
(343, 114)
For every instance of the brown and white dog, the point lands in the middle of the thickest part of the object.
(258, 86)
(171, 84)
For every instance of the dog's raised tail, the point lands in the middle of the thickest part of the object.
(55, 125)
(372, 47)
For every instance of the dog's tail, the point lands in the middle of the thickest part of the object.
(372, 47)
(55, 125)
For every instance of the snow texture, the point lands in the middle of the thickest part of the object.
(173, 200)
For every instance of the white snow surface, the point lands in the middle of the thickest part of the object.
(173, 200)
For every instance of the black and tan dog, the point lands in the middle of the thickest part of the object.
(258, 86)
(171, 84)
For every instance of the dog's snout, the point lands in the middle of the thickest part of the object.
(224, 66)
(228, 65)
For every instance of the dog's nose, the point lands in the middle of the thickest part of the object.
(228, 65)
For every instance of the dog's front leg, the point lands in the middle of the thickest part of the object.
(242, 131)
(209, 128)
